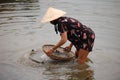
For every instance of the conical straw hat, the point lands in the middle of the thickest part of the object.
(52, 14)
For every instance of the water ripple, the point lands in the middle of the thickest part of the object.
(18, 14)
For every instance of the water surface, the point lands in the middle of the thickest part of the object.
(21, 31)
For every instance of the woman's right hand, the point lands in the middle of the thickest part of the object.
(68, 48)
(50, 52)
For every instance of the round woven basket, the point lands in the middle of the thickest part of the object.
(59, 54)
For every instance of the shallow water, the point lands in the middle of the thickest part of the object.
(21, 31)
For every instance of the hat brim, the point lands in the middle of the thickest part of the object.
(52, 14)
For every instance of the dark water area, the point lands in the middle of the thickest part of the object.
(14, 1)
(21, 31)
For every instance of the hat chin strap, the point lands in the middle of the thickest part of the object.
(56, 28)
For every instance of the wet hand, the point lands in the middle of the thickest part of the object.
(67, 48)
(50, 52)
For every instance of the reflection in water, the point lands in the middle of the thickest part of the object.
(83, 75)
(57, 70)
(81, 72)
(68, 71)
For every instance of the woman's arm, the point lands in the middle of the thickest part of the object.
(62, 41)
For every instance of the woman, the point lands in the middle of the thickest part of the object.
(81, 36)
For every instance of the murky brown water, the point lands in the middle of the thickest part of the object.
(21, 31)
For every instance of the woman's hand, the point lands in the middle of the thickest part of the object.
(68, 48)
(50, 52)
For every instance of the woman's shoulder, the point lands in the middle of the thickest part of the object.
(70, 19)
(63, 19)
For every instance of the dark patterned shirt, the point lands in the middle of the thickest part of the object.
(78, 34)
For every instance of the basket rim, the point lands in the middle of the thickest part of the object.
(57, 57)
